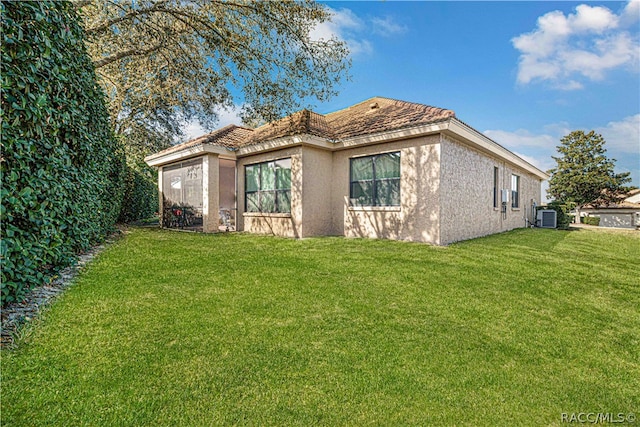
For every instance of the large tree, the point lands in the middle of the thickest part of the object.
(584, 174)
(165, 62)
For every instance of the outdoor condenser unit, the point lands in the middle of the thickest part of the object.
(547, 218)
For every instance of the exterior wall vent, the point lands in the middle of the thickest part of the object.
(547, 218)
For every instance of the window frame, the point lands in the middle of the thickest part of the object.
(374, 181)
(515, 192)
(496, 186)
(275, 194)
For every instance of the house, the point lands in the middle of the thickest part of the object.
(382, 168)
(624, 214)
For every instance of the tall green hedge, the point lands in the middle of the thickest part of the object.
(140, 193)
(61, 168)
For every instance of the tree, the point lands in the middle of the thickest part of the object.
(168, 61)
(163, 63)
(584, 174)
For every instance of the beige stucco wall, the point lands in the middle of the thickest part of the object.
(227, 184)
(210, 193)
(316, 192)
(416, 218)
(160, 197)
(466, 197)
(286, 225)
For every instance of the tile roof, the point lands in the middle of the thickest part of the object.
(230, 136)
(302, 122)
(374, 115)
(382, 114)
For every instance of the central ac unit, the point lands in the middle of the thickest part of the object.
(547, 218)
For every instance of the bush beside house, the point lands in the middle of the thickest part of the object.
(62, 169)
(563, 213)
(590, 220)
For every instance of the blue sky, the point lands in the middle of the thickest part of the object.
(523, 73)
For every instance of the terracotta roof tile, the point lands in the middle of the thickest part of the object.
(230, 136)
(302, 122)
(371, 116)
(382, 114)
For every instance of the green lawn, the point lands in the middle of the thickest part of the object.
(168, 328)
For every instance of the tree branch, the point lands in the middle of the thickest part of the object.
(127, 16)
(124, 54)
(79, 4)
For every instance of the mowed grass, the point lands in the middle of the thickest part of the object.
(168, 328)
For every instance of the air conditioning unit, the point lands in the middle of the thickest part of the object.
(547, 218)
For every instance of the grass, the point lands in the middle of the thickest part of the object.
(170, 328)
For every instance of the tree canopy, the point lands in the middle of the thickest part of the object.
(165, 62)
(584, 174)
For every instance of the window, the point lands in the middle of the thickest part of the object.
(495, 187)
(375, 180)
(268, 187)
(515, 191)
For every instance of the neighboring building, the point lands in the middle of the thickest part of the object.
(625, 214)
(382, 169)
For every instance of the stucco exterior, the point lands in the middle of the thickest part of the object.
(466, 193)
(416, 219)
(315, 191)
(278, 224)
(446, 177)
(210, 192)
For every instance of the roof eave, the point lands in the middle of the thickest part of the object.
(285, 142)
(160, 159)
(392, 135)
(482, 142)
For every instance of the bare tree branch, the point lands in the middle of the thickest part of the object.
(124, 54)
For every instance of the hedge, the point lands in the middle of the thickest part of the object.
(563, 213)
(590, 220)
(62, 169)
(140, 193)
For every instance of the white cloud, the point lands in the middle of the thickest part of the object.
(581, 45)
(522, 138)
(622, 136)
(387, 26)
(570, 85)
(542, 163)
(631, 13)
(344, 25)
(225, 117)
(622, 143)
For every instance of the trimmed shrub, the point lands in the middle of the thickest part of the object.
(590, 220)
(140, 194)
(563, 214)
(62, 169)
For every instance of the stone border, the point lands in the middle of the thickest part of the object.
(16, 315)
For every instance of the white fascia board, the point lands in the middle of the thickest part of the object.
(476, 139)
(187, 153)
(392, 135)
(285, 142)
